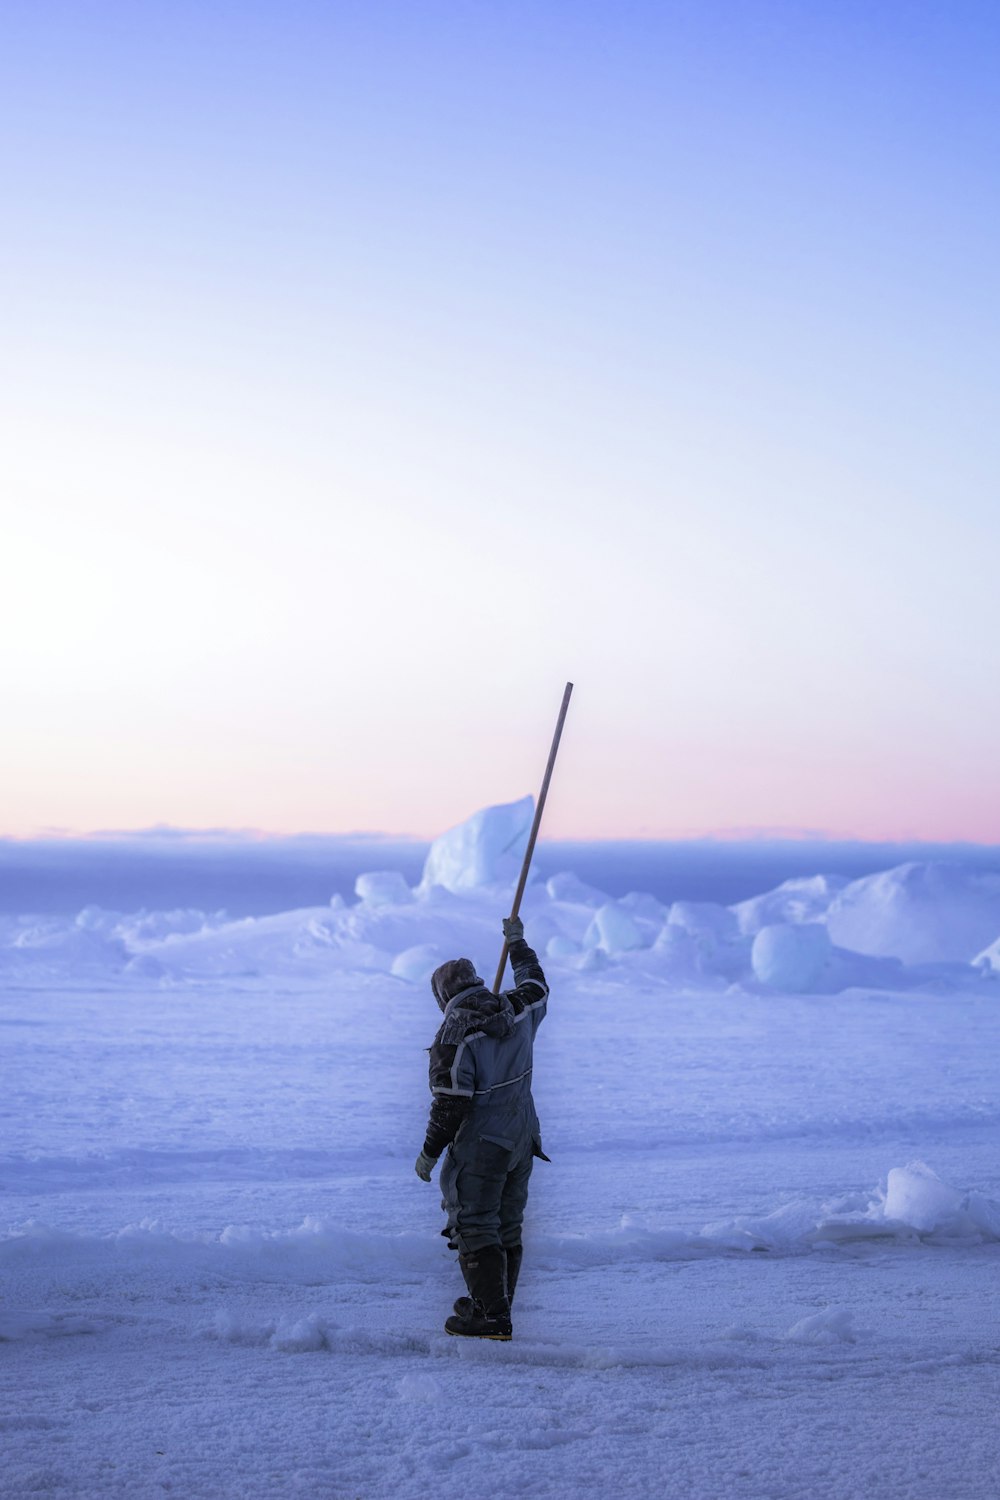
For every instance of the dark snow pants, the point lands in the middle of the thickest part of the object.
(484, 1188)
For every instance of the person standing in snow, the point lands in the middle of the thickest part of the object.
(483, 1113)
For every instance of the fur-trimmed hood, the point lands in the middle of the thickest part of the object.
(451, 977)
(467, 1004)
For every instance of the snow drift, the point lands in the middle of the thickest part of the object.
(913, 1205)
(920, 913)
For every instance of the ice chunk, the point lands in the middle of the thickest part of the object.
(145, 966)
(832, 1326)
(916, 1196)
(302, 1335)
(644, 907)
(90, 940)
(383, 888)
(849, 970)
(920, 913)
(648, 915)
(676, 951)
(984, 1215)
(96, 919)
(804, 899)
(561, 947)
(714, 936)
(591, 961)
(704, 917)
(152, 926)
(791, 957)
(487, 849)
(417, 964)
(612, 930)
(569, 887)
(988, 962)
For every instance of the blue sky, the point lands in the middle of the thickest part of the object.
(372, 369)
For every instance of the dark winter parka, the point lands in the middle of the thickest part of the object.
(481, 1058)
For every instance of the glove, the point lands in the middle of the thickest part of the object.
(425, 1165)
(513, 929)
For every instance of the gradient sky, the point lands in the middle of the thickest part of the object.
(370, 369)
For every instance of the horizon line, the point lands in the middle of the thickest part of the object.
(170, 834)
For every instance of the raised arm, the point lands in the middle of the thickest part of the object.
(530, 989)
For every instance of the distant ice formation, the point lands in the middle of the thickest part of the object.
(989, 960)
(383, 888)
(930, 925)
(613, 930)
(920, 913)
(804, 899)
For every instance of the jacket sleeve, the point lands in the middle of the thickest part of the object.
(447, 1113)
(453, 1086)
(531, 991)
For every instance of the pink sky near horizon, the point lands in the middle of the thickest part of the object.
(589, 798)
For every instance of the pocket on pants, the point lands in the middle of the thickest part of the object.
(491, 1156)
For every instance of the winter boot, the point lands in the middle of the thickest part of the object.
(489, 1314)
(463, 1305)
(514, 1253)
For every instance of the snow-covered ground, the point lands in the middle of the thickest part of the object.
(761, 1262)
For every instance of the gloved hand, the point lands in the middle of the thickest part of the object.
(513, 929)
(425, 1165)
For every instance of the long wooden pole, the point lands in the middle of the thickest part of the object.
(534, 828)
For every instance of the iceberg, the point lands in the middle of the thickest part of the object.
(486, 850)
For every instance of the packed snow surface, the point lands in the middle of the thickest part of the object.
(761, 1261)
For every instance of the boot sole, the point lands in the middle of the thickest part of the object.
(496, 1338)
